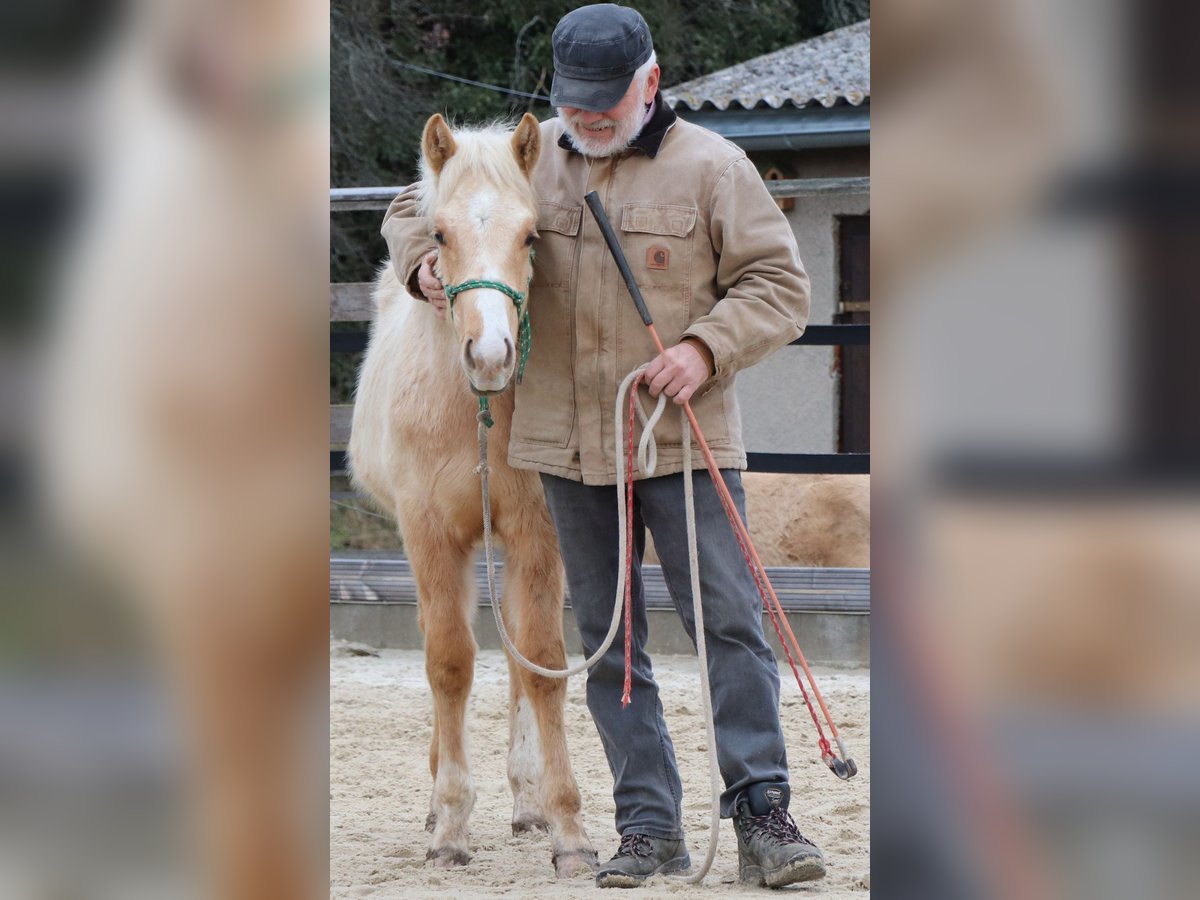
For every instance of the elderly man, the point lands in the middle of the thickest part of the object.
(721, 274)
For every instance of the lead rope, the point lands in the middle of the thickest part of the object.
(710, 731)
(647, 460)
(483, 471)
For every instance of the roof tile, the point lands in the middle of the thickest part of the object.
(833, 67)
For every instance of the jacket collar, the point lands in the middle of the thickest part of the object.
(650, 138)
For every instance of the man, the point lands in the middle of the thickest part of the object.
(721, 274)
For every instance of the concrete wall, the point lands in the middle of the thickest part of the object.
(833, 639)
(790, 400)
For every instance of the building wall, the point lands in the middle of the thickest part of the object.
(790, 400)
(818, 162)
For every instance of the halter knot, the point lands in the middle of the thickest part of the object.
(524, 335)
(485, 414)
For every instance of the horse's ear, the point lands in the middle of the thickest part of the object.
(527, 143)
(437, 143)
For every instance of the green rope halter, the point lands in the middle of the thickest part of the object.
(524, 337)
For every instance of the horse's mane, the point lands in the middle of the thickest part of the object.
(485, 150)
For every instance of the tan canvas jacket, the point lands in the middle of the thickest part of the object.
(714, 258)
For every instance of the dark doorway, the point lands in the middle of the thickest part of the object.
(854, 307)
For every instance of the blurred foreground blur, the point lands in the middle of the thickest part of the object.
(1037, 584)
(1037, 461)
(165, 630)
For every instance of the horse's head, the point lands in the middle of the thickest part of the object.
(483, 215)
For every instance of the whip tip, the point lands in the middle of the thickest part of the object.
(843, 770)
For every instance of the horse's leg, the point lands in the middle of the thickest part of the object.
(525, 762)
(439, 565)
(431, 819)
(534, 587)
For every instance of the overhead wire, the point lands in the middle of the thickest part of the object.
(480, 84)
(365, 512)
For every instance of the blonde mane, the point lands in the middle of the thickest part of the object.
(485, 150)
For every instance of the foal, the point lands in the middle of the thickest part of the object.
(413, 448)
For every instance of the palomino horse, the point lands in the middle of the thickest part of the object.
(413, 448)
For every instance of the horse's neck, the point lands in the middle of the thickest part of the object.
(434, 350)
(438, 359)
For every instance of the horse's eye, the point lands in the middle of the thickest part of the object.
(439, 237)
(530, 239)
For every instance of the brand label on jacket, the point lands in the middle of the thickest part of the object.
(657, 258)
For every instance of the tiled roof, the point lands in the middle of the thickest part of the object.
(827, 69)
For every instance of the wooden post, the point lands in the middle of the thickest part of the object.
(774, 174)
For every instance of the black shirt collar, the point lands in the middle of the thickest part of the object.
(650, 138)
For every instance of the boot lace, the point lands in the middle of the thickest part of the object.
(777, 826)
(635, 845)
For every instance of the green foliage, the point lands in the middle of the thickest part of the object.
(352, 529)
(379, 105)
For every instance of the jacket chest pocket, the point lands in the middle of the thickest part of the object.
(658, 241)
(554, 252)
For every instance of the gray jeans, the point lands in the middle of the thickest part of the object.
(742, 668)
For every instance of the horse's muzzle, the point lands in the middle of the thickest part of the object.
(489, 363)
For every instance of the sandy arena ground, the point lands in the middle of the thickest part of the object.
(380, 720)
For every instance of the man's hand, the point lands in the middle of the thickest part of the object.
(430, 286)
(679, 372)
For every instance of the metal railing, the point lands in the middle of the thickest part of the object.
(357, 576)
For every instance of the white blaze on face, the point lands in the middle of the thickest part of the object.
(495, 344)
(489, 224)
(480, 209)
(492, 347)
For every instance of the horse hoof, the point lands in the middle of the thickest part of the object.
(524, 826)
(448, 857)
(568, 864)
(431, 822)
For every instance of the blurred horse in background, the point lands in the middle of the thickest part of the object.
(186, 407)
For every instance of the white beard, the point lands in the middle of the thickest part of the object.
(622, 136)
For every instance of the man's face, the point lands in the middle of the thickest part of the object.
(606, 133)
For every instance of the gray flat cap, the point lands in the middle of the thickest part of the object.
(596, 51)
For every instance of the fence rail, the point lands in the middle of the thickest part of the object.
(360, 578)
(814, 336)
(357, 199)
